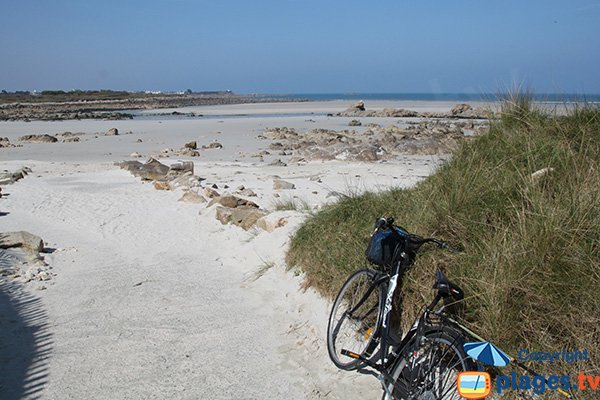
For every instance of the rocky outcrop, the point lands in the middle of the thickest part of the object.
(38, 139)
(464, 111)
(7, 177)
(5, 143)
(178, 175)
(71, 106)
(376, 142)
(112, 132)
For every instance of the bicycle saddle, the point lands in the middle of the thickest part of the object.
(446, 288)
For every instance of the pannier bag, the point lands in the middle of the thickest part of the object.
(385, 247)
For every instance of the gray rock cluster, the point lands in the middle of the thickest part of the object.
(375, 143)
(464, 111)
(7, 177)
(229, 208)
(5, 143)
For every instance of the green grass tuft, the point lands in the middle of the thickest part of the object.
(291, 204)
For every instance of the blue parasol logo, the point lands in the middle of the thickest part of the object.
(487, 353)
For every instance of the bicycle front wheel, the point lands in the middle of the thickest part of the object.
(429, 368)
(354, 318)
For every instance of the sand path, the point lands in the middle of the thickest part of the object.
(153, 301)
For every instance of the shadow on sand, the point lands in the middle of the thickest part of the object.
(25, 343)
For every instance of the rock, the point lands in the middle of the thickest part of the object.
(368, 154)
(247, 192)
(132, 166)
(211, 193)
(7, 178)
(359, 105)
(192, 197)
(246, 217)
(276, 146)
(186, 181)
(139, 141)
(38, 139)
(190, 153)
(460, 109)
(135, 154)
(213, 145)
(278, 163)
(71, 139)
(271, 222)
(355, 122)
(231, 201)
(279, 184)
(181, 167)
(154, 170)
(160, 185)
(223, 214)
(112, 132)
(191, 145)
(26, 240)
(70, 134)
(4, 142)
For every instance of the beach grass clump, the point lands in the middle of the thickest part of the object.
(291, 204)
(523, 204)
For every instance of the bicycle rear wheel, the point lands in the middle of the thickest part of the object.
(354, 318)
(429, 369)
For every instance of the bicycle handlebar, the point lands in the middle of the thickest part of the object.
(388, 223)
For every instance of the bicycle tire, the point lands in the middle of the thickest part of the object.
(355, 331)
(429, 368)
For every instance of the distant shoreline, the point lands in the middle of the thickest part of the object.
(454, 97)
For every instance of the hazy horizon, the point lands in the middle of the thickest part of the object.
(286, 46)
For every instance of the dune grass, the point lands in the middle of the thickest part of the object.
(531, 261)
(291, 204)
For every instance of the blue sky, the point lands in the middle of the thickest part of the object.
(301, 46)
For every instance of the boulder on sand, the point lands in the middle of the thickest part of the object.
(460, 109)
(38, 139)
(230, 201)
(245, 218)
(112, 132)
(26, 240)
(192, 197)
(279, 184)
(154, 170)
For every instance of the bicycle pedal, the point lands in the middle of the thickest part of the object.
(351, 354)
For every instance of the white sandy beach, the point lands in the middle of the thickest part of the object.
(152, 298)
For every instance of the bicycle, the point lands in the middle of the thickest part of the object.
(426, 362)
